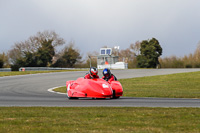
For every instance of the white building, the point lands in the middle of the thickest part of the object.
(107, 60)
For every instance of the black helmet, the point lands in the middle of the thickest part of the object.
(93, 71)
(106, 72)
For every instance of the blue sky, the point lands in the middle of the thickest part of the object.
(92, 24)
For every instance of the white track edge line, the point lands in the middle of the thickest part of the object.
(51, 90)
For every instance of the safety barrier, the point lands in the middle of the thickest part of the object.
(118, 65)
(48, 68)
(5, 69)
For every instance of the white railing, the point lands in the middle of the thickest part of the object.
(118, 65)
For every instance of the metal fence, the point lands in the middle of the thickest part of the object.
(5, 69)
(48, 68)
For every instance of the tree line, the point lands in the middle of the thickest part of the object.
(187, 61)
(40, 50)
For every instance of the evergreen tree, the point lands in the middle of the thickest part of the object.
(68, 57)
(149, 53)
(1, 63)
(45, 54)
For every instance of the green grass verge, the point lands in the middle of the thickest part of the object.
(99, 119)
(61, 89)
(13, 73)
(182, 85)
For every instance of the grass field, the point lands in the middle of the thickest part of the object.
(99, 119)
(182, 85)
(115, 119)
(13, 73)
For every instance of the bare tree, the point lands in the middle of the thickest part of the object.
(33, 44)
(92, 58)
(135, 47)
(4, 60)
(197, 52)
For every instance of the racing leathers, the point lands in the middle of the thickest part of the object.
(89, 76)
(110, 78)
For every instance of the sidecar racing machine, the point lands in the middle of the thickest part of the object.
(93, 88)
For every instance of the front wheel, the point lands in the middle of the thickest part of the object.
(114, 96)
(72, 97)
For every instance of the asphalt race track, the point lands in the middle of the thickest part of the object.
(31, 90)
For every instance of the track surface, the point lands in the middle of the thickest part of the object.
(31, 90)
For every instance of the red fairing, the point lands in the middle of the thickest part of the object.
(117, 88)
(93, 88)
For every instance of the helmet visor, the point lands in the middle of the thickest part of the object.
(106, 75)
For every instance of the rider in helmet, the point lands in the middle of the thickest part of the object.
(93, 73)
(108, 76)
